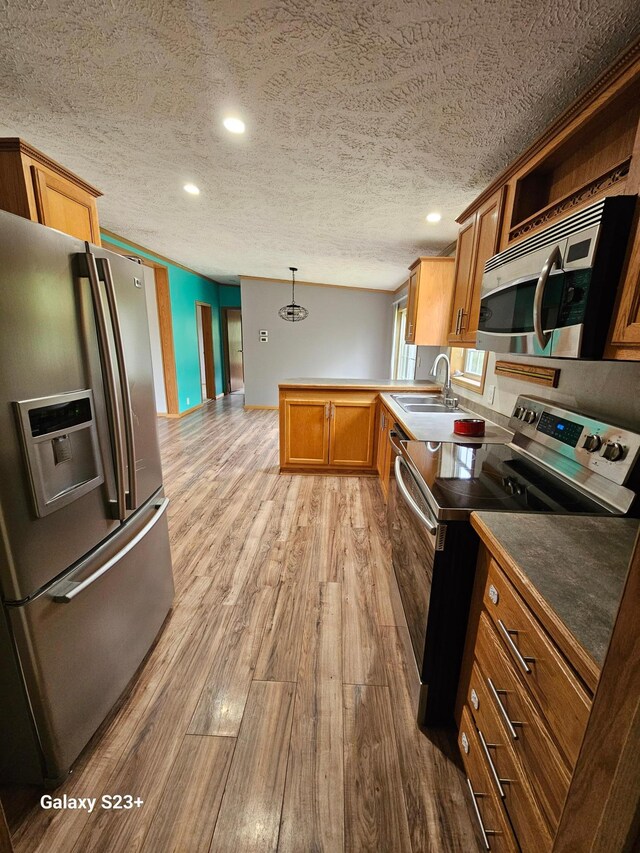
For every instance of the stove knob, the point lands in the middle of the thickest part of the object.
(518, 412)
(529, 416)
(613, 451)
(592, 443)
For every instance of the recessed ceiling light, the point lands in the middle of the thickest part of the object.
(434, 217)
(192, 189)
(234, 125)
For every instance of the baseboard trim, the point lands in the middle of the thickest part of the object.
(220, 396)
(264, 408)
(320, 471)
(181, 414)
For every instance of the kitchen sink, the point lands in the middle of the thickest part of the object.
(425, 403)
(425, 407)
(422, 399)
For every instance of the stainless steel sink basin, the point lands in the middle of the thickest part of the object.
(423, 399)
(425, 407)
(414, 403)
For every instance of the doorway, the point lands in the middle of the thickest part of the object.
(233, 357)
(205, 351)
(155, 339)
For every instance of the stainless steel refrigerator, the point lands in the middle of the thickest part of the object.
(85, 566)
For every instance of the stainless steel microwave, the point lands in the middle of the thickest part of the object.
(552, 294)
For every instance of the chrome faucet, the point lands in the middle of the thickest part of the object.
(447, 394)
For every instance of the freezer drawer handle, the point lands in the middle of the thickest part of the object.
(67, 590)
(132, 496)
(431, 526)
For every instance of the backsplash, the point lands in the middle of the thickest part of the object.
(606, 389)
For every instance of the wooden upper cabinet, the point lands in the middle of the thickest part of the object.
(462, 277)
(478, 240)
(36, 187)
(429, 301)
(412, 306)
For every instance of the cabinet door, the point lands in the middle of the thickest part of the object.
(351, 442)
(64, 206)
(487, 235)
(306, 432)
(462, 277)
(626, 323)
(412, 306)
(384, 451)
(380, 447)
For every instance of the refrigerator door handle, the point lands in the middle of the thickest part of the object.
(110, 382)
(107, 276)
(66, 591)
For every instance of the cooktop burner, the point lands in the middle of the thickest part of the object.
(464, 477)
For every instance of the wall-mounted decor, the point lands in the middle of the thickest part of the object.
(548, 376)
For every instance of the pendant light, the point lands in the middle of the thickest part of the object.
(293, 312)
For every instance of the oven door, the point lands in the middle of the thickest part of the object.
(414, 535)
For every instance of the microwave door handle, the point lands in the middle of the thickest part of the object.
(110, 384)
(431, 526)
(132, 496)
(554, 259)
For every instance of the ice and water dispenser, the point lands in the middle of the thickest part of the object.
(60, 441)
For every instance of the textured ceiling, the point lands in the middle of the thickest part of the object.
(361, 116)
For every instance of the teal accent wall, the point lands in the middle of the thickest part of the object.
(186, 288)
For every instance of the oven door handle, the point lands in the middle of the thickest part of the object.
(430, 524)
(554, 259)
(395, 444)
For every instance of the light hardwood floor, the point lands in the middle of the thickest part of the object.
(276, 711)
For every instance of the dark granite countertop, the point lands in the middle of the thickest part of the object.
(577, 564)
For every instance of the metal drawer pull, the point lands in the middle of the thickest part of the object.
(485, 832)
(516, 651)
(494, 772)
(502, 709)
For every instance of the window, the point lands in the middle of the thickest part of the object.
(404, 354)
(468, 368)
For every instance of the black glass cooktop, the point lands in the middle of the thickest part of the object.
(464, 477)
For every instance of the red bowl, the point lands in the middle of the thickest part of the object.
(469, 426)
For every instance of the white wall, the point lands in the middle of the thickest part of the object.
(608, 389)
(347, 335)
(154, 337)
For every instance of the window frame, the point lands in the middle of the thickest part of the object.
(472, 381)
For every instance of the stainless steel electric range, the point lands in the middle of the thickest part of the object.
(559, 461)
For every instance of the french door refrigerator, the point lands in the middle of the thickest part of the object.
(85, 566)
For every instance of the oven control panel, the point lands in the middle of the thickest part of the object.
(595, 445)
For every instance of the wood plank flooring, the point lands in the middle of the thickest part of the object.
(276, 710)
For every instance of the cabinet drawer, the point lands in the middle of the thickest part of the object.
(563, 701)
(493, 820)
(510, 779)
(522, 722)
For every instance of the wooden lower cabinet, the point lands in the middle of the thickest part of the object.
(487, 805)
(383, 456)
(524, 703)
(352, 433)
(333, 431)
(306, 432)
